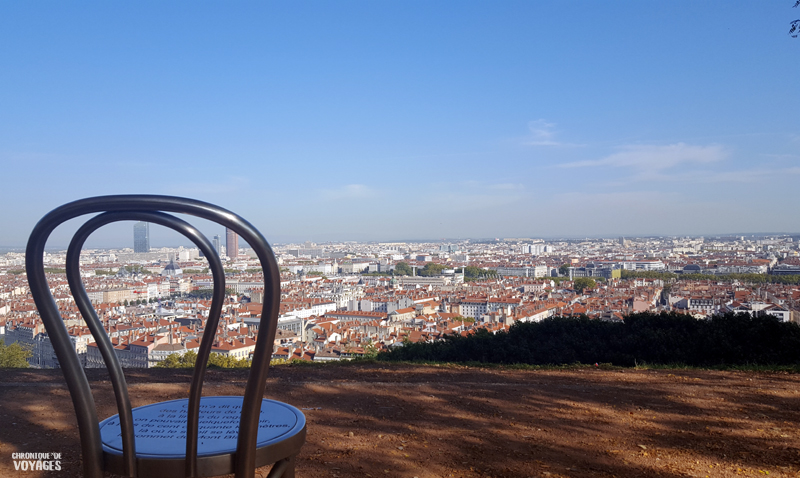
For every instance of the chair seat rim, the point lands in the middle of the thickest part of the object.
(298, 427)
(208, 466)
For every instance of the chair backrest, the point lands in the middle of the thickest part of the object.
(151, 209)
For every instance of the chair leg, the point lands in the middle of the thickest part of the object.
(283, 468)
(289, 473)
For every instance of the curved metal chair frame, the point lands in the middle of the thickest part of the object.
(153, 209)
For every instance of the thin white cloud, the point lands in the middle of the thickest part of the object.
(128, 165)
(349, 191)
(506, 187)
(708, 176)
(542, 133)
(233, 184)
(483, 186)
(655, 158)
(780, 156)
(740, 176)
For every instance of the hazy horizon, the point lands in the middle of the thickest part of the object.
(187, 243)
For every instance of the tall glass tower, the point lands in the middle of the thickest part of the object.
(141, 237)
(216, 243)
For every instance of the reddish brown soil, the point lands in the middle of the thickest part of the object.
(371, 420)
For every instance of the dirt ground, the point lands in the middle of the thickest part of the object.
(372, 420)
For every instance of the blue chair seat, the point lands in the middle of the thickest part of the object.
(160, 431)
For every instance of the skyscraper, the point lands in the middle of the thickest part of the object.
(216, 243)
(231, 243)
(141, 237)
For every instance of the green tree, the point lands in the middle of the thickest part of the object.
(581, 283)
(14, 355)
(136, 269)
(564, 269)
(370, 350)
(189, 359)
(431, 269)
(476, 273)
(402, 269)
(186, 360)
(472, 272)
(226, 361)
(204, 293)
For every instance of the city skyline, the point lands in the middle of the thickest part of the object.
(372, 122)
(217, 240)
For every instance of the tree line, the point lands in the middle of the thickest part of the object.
(433, 269)
(215, 360)
(745, 278)
(665, 338)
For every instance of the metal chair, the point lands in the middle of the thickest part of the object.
(190, 437)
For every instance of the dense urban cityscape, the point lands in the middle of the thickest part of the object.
(349, 299)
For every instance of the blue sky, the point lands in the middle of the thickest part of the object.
(414, 119)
